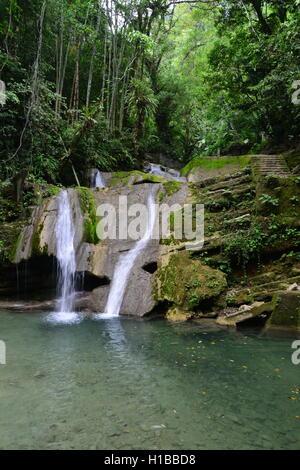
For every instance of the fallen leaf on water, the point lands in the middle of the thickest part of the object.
(293, 398)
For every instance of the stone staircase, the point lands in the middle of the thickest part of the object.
(271, 164)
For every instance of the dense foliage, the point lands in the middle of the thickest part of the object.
(109, 83)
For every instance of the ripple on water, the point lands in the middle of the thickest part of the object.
(64, 318)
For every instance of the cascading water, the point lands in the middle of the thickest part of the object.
(95, 178)
(65, 254)
(99, 182)
(125, 265)
(162, 171)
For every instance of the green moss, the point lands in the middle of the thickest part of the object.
(14, 248)
(10, 234)
(122, 178)
(286, 314)
(172, 187)
(292, 157)
(187, 283)
(90, 219)
(161, 197)
(35, 244)
(52, 191)
(285, 191)
(208, 163)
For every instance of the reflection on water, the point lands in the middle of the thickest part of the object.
(125, 384)
(115, 333)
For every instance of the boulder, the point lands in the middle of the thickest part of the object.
(245, 312)
(286, 314)
(188, 284)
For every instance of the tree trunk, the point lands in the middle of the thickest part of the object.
(91, 69)
(258, 9)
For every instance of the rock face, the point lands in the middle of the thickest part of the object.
(38, 238)
(100, 260)
(187, 285)
(244, 313)
(287, 312)
(242, 239)
(96, 256)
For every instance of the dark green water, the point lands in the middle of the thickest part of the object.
(126, 384)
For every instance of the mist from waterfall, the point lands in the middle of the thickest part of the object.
(65, 254)
(126, 263)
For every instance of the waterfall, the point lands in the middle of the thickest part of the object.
(65, 254)
(95, 178)
(156, 169)
(125, 265)
(168, 173)
(99, 182)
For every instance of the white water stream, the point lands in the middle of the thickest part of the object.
(126, 263)
(65, 254)
(99, 181)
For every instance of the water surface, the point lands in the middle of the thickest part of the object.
(125, 384)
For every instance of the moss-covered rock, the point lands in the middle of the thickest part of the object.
(276, 195)
(292, 158)
(286, 314)
(169, 188)
(125, 178)
(90, 218)
(188, 284)
(214, 166)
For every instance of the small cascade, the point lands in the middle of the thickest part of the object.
(126, 263)
(167, 173)
(65, 254)
(99, 182)
(96, 179)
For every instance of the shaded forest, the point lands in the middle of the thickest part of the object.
(110, 84)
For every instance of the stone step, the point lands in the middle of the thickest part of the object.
(271, 164)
